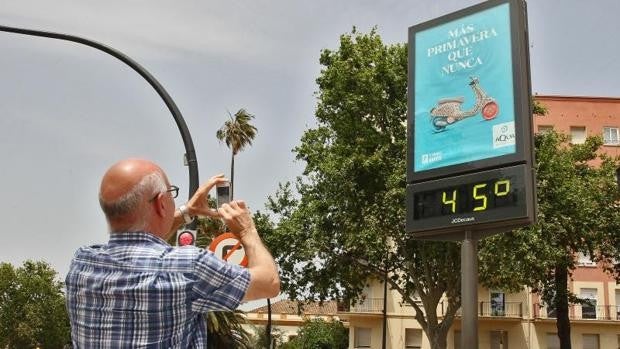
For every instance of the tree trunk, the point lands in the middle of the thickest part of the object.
(232, 175)
(438, 337)
(561, 306)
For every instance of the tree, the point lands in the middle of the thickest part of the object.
(347, 221)
(578, 212)
(32, 307)
(538, 108)
(261, 338)
(225, 330)
(319, 334)
(237, 133)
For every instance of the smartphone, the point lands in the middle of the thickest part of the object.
(223, 193)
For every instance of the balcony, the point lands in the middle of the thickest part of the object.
(485, 309)
(495, 310)
(581, 312)
(369, 305)
(507, 309)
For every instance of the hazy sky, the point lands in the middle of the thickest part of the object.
(67, 112)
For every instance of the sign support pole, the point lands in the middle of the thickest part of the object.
(469, 291)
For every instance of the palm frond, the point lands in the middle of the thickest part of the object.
(225, 330)
(237, 132)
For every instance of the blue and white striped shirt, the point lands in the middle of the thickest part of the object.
(139, 292)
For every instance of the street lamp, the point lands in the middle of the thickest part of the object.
(190, 153)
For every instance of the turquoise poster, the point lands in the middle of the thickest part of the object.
(464, 102)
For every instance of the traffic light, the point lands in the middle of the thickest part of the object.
(186, 237)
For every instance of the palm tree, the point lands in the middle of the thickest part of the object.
(237, 133)
(225, 330)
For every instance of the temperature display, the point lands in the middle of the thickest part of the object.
(478, 196)
(491, 200)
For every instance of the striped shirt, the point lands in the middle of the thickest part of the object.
(139, 292)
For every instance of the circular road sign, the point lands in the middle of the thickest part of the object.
(227, 247)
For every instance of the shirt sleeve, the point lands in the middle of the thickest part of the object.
(219, 285)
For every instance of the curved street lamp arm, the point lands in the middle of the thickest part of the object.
(190, 153)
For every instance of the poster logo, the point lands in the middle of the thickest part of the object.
(504, 135)
(432, 157)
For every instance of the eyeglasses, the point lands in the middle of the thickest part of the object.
(173, 190)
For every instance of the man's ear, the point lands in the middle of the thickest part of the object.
(160, 208)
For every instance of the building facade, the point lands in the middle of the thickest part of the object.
(287, 316)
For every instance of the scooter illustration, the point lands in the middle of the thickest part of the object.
(448, 110)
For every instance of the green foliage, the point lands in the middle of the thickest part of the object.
(352, 192)
(260, 340)
(347, 221)
(319, 334)
(225, 330)
(538, 108)
(578, 212)
(32, 307)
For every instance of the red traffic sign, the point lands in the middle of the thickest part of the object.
(227, 247)
(186, 238)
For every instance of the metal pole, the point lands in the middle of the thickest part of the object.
(190, 153)
(384, 339)
(269, 340)
(469, 292)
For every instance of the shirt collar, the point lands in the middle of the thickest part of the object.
(138, 237)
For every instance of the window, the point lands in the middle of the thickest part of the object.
(413, 338)
(551, 312)
(498, 305)
(544, 128)
(577, 134)
(584, 261)
(590, 341)
(618, 311)
(366, 303)
(588, 309)
(611, 136)
(361, 337)
(553, 342)
(499, 339)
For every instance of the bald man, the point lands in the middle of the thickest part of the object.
(137, 291)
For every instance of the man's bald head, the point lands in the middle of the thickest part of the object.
(125, 191)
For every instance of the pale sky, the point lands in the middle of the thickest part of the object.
(67, 112)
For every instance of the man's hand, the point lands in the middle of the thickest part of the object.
(264, 278)
(237, 218)
(198, 205)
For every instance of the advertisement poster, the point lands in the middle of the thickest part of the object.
(464, 103)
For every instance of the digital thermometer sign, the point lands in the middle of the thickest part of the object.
(467, 198)
(470, 154)
(489, 201)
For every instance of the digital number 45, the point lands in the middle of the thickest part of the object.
(479, 195)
